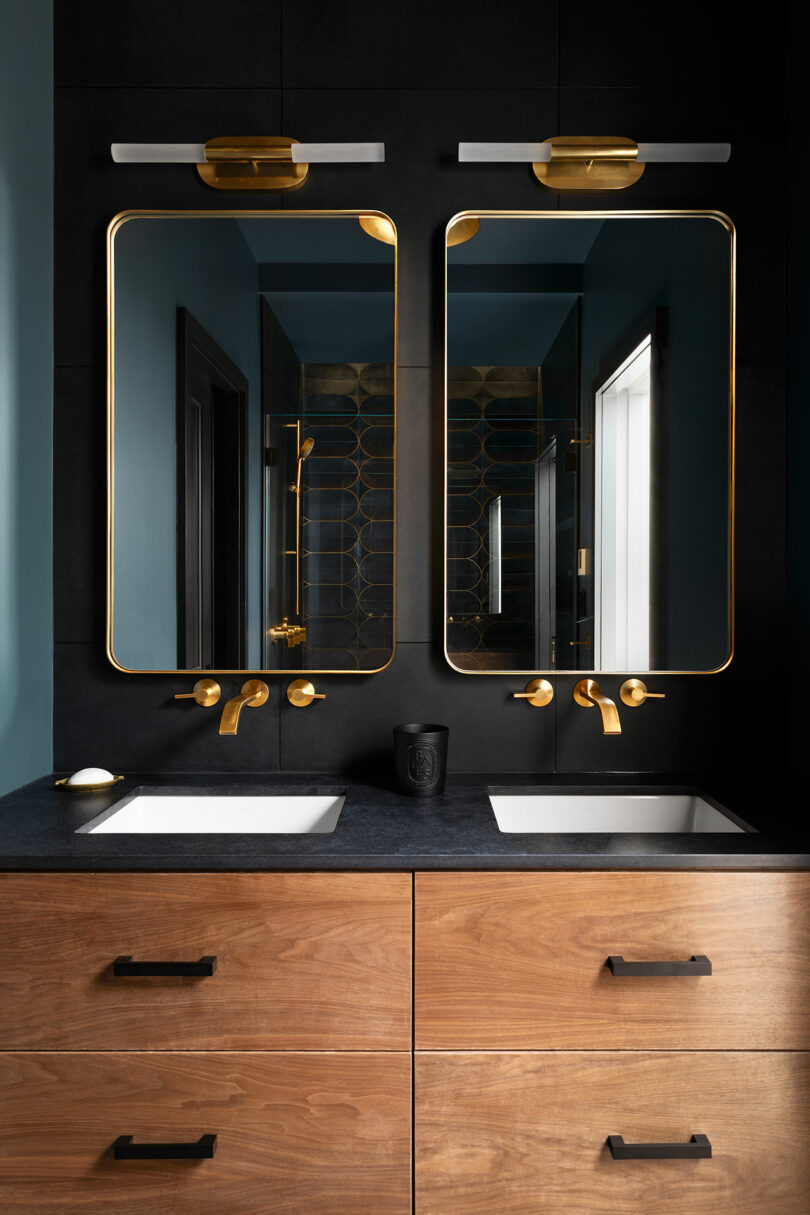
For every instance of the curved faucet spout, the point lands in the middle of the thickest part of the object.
(254, 694)
(588, 693)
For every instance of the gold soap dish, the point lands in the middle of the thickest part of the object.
(97, 788)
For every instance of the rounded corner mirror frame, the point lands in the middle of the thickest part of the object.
(379, 226)
(464, 226)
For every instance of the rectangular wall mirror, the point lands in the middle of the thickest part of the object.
(589, 442)
(251, 399)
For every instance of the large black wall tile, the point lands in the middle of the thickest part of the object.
(382, 44)
(416, 503)
(168, 44)
(639, 46)
(132, 723)
(351, 729)
(80, 504)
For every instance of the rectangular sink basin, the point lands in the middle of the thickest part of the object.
(610, 813)
(219, 814)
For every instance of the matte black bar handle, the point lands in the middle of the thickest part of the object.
(126, 966)
(698, 1148)
(203, 1149)
(698, 964)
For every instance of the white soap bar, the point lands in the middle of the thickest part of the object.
(91, 776)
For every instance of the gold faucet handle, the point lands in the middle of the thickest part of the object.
(538, 693)
(206, 692)
(301, 693)
(633, 693)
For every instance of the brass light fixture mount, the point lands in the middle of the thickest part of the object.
(589, 162)
(252, 162)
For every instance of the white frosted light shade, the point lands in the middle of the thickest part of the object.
(337, 153)
(158, 153)
(516, 152)
(684, 153)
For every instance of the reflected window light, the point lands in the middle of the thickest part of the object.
(623, 506)
(495, 557)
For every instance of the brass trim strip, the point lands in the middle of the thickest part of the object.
(727, 223)
(114, 225)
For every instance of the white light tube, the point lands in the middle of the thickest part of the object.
(522, 152)
(337, 153)
(194, 153)
(684, 153)
(158, 153)
(672, 153)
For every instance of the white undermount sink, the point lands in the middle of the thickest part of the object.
(610, 813)
(219, 814)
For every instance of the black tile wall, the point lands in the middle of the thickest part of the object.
(421, 77)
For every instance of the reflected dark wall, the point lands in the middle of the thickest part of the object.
(421, 78)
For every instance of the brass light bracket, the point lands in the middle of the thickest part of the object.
(301, 693)
(539, 693)
(252, 162)
(589, 162)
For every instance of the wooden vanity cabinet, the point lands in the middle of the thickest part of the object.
(295, 1052)
(530, 1052)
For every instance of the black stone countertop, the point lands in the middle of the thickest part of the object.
(380, 829)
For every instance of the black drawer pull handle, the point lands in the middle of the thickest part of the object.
(698, 1148)
(203, 1149)
(698, 964)
(125, 965)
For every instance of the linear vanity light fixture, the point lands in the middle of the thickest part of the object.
(250, 162)
(592, 162)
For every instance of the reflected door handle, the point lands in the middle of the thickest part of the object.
(126, 966)
(203, 1149)
(698, 1148)
(698, 964)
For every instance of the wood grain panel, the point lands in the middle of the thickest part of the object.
(298, 1134)
(522, 1133)
(517, 960)
(308, 961)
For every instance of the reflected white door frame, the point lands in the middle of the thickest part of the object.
(623, 493)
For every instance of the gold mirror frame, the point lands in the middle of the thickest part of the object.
(377, 225)
(467, 222)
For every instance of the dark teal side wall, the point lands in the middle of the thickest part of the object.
(26, 390)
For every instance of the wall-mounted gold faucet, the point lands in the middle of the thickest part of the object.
(206, 692)
(633, 693)
(253, 695)
(539, 693)
(588, 693)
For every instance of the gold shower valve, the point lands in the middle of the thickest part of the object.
(301, 693)
(539, 693)
(633, 693)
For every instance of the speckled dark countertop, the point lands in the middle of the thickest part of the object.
(380, 829)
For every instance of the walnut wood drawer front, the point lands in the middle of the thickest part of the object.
(518, 961)
(303, 961)
(296, 1134)
(520, 1133)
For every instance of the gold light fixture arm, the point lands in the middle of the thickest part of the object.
(301, 693)
(633, 693)
(254, 694)
(588, 693)
(589, 162)
(206, 692)
(539, 693)
(252, 162)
